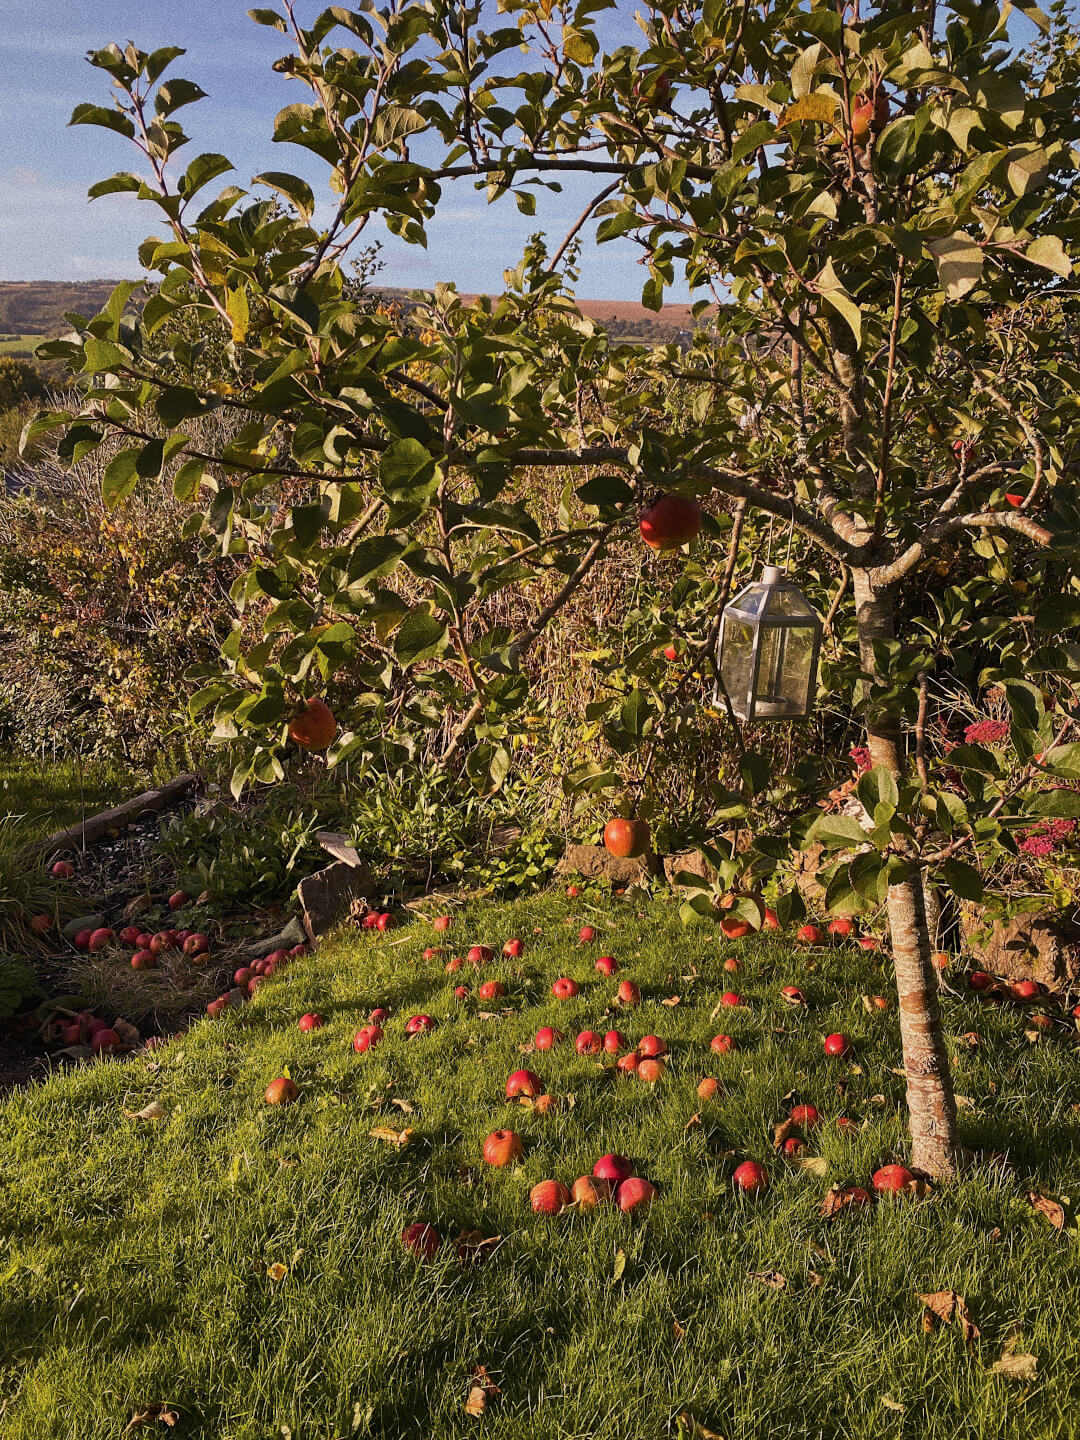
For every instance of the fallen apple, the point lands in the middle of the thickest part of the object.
(310, 1021)
(564, 988)
(732, 966)
(63, 870)
(613, 1167)
(130, 936)
(282, 1091)
(628, 993)
(514, 949)
(614, 1042)
(480, 955)
(422, 1240)
(196, 945)
(843, 927)
(366, 1038)
(980, 980)
(549, 1197)
(492, 990)
(524, 1082)
(461, 992)
(441, 922)
(709, 1088)
(607, 965)
(502, 1147)
(837, 1044)
(419, 1025)
(547, 1037)
(588, 1043)
(751, 1178)
(100, 939)
(651, 1045)
(379, 1015)
(731, 999)
(144, 960)
(105, 1040)
(807, 1116)
(586, 934)
(386, 921)
(178, 899)
(810, 935)
(433, 952)
(634, 1194)
(651, 1070)
(892, 1179)
(82, 939)
(722, 1044)
(769, 920)
(588, 1192)
(628, 1064)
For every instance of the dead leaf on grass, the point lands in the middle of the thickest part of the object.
(152, 1415)
(1053, 1210)
(276, 1271)
(772, 1278)
(786, 1130)
(671, 1000)
(891, 1404)
(950, 1307)
(841, 1198)
(1016, 1367)
(677, 1330)
(154, 1111)
(692, 1122)
(392, 1136)
(475, 1246)
(693, 1429)
(127, 1032)
(618, 1270)
(811, 1164)
(964, 1102)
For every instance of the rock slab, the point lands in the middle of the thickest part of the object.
(327, 897)
(593, 862)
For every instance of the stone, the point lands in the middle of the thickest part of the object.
(82, 922)
(687, 862)
(332, 895)
(1043, 947)
(337, 845)
(593, 862)
(293, 934)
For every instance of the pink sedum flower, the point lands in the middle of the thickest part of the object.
(987, 732)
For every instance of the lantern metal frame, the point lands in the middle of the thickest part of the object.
(752, 706)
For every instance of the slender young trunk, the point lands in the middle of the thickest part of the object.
(931, 1106)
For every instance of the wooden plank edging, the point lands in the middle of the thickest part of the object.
(77, 837)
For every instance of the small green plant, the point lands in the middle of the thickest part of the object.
(18, 984)
(526, 865)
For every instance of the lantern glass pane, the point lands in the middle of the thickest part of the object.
(737, 662)
(787, 601)
(783, 680)
(752, 600)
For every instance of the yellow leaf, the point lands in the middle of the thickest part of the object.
(276, 1271)
(391, 1136)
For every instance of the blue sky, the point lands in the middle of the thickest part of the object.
(48, 229)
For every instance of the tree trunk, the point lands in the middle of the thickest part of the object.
(931, 1106)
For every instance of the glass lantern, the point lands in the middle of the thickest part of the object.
(767, 653)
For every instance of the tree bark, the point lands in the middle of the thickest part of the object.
(931, 1104)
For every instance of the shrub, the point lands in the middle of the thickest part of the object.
(18, 984)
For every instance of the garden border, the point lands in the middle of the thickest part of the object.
(86, 832)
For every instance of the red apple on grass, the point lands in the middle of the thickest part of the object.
(651, 1070)
(514, 949)
(549, 1197)
(419, 1025)
(588, 1192)
(282, 1091)
(613, 1167)
(178, 899)
(709, 1088)
(130, 936)
(1025, 990)
(769, 920)
(366, 1038)
(670, 522)
(980, 980)
(808, 1116)
(586, 935)
(196, 944)
(492, 990)
(310, 1021)
(461, 992)
(722, 1044)
(386, 921)
(63, 870)
(734, 928)
(843, 927)
(650, 1046)
(892, 1179)
(731, 999)
(628, 1064)
(503, 1147)
(732, 966)
(607, 965)
(614, 1042)
(751, 1178)
(588, 1043)
(480, 955)
(441, 922)
(628, 993)
(100, 939)
(793, 995)
(422, 1240)
(82, 939)
(143, 960)
(433, 952)
(524, 1082)
(810, 935)
(547, 1037)
(105, 1041)
(634, 1194)
(564, 988)
(837, 1044)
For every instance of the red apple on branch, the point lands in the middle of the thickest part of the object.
(670, 522)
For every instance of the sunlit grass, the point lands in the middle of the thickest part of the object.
(135, 1265)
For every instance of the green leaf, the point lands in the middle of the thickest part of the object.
(837, 832)
(106, 118)
(1049, 253)
(176, 93)
(41, 424)
(298, 191)
(1063, 760)
(187, 480)
(1027, 170)
(201, 171)
(120, 478)
(1054, 804)
(877, 787)
(790, 907)
(408, 473)
(115, 185)
(962, 879)
(262, 15)
(833, 294)
(959, 263)
(419, 637)
(756, 771)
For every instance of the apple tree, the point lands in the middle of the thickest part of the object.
(875, 207)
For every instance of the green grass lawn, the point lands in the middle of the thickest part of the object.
(23, 345)
(50, 795)
(136, 1259)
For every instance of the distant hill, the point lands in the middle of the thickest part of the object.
(37, 308)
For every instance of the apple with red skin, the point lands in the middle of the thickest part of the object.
(379, 1015)
(492, 990)
(282, 1091)
(793, 995)
(769, 920)
(588, 1192)
(366, 1038)
(421, 1240)
(299, 950)
(614, 1042)
(573, 891)
(142, 940)
(40, 924)
(215, 1007)
(196, 945)
(433, 952)
(82, 940)
(651, 1070)
(980, 980)
(130, 936)
(314, 726)
(455, 963)
(670, 521)
(524, 1082)
(178, 899)
(793, 1145)
(628, 1064)
(843, 927)
(607, 965)
(514, 949)
(547, 1037)
(837, 1044)
(72, 1034)
(613, 1167)
(441, 922)
(100, 939)
(63, 870)
(89, 1021)
(586, 935)
(1025, 990)
(751, 1178)
(386, 921)
(143, 960)
(670, 653)
(879, 1002)
(626, 839)
(419, 1025)
(1041, 1021)
(869, 942)
(628, 993)
(461, 992)
(654, 88)
(709, 1088)
(731, 999)
(549, 1197)
(105, 1041)
(370, 920)
(564, 988)
(722, 1044)
(735, 929)
(856, 1198)
(480, 955)
(807, 1116)
(650, 1046)
(503, 1147)
(809, 935)
(254, 984)
(310, 1021)
(633, 1194)
(159, 943)
(588, 1043)
(892, 1179)
(868, 116)
(732, 966)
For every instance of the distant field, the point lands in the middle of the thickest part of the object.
(19, 344)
